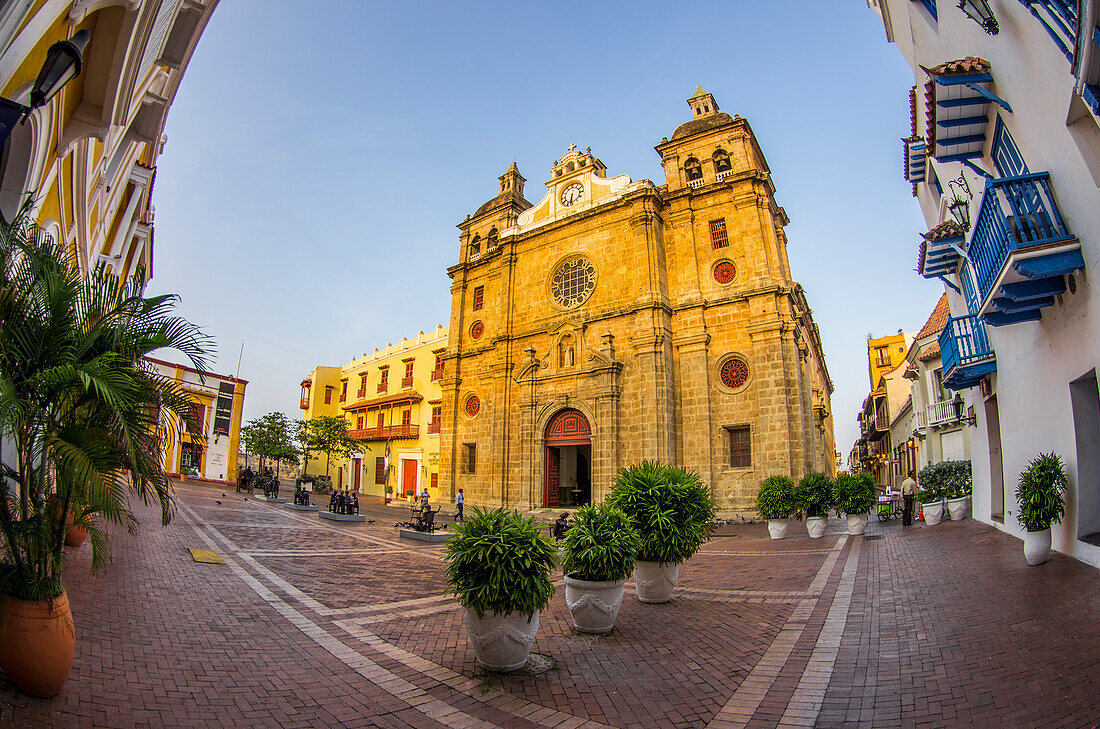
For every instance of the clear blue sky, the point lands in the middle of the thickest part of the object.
(318, 160)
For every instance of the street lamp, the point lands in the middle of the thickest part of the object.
(62, 65)
(980, 12)
(971, 420)
(959, 206)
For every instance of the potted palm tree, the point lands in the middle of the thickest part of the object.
(814, 498)
(600, 550)
(931, 493)
(958, 484)
(672, 511)
(498, 566)
(775, 502)
(83, 411)
(1040, 494)
(855, 495)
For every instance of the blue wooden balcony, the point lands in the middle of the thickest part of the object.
(1020, 249)
(965, 352)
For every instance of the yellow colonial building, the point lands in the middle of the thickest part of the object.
(617, 320)
(392, 402)
(209, 453)
(88, 156)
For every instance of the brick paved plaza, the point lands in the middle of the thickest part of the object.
(311, 623)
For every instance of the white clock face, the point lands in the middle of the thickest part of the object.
(572, 194)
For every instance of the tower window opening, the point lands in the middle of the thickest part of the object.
(721, 161)
(693, 169)
(475, 245)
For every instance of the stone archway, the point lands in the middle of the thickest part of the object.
(567, 448)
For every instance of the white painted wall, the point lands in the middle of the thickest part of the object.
(1036, 361)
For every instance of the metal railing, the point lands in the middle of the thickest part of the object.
(1015, 213)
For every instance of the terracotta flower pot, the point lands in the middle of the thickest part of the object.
(76, 536)
(36, 644)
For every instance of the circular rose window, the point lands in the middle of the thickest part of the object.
(725, 272)
(473, 405)
(573, 281)
(735, 372)
(477, 330)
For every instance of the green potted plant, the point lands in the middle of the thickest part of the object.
(931, 494)
(84, 413)
(855, 495)
(1040, 494)
(958, 483)
(775, 502)
(600, 550)
(672, 511)
(498, 566)
(814, 498)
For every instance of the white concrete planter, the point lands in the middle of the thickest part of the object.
(777, 528)
(1036, 547)
(593, 605)
(933, 513)
(857, 523)
(501, 642)
(655, 581)
(956, 508)
(815, 526)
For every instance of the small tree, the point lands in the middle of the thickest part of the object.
(329, 435)
(272, 437)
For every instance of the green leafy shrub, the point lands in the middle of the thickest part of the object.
(499, 562)
(814, 495)
(322, 485)
(389, 490)
(409, 492)
(1040, 492)
(775, 499)
(946, 479)
(669, 506)
(602, 544)
(854, 493)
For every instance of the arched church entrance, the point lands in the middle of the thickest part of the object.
(568, 460)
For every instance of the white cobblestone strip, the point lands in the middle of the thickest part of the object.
(739, 708)
(808, 697)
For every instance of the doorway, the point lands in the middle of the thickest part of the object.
(996, 466)
(355, 471)
(568, 460)
(1084, 395)
(409, 471)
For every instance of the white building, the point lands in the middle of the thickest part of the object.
(1004, 157)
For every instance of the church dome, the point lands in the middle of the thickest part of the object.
(504, 198)
(702, 124)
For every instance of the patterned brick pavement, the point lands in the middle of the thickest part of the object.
(314, 623)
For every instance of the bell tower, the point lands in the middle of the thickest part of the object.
(512, 181)
(702, 103)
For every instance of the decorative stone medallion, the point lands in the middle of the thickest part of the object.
(724, 272)
(573, 281)
(734, 372)
(473, 405)
(477, 330)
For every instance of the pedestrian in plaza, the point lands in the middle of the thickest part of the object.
(459, 500)
(425, 496)
(908, 494)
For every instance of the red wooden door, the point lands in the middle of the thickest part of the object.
(408, 470)
(552, 495)
(355, 474)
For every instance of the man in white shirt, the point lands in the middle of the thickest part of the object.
(908, 494)
(459, 500)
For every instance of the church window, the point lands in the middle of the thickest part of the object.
(693, 169)
(721, 162)
(473, 405)
(493, 240)
(725, 272)
(740, 441)
(573, 281)
(734, 372)
(477, 330)
(469, 457)
(718, 238)
(475, 246)
(479, 297)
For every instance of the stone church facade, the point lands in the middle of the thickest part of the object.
(618, 320)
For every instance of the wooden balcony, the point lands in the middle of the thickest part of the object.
(965, 352)
(304, 403)
(383, 386)
(433, 428)
(437, 374)
(1020, 250)
(407, 382)
(388, 432)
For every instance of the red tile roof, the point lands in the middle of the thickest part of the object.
(937, 321)
(932, 352)
(946, 229)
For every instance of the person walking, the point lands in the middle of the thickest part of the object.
(459, 500)
(908, 494)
